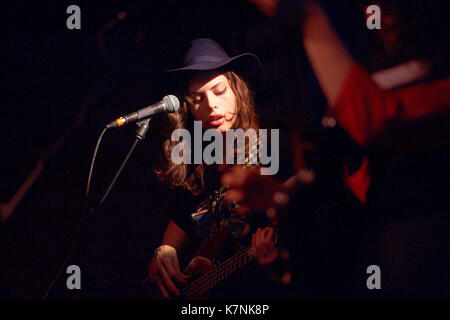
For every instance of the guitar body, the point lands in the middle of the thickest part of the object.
(205, 273)
(203, 260)
(197, 267)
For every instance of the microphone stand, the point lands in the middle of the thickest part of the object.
(141, 133)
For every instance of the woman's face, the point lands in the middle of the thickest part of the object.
(212, 100)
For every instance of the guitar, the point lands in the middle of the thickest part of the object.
(211, 276)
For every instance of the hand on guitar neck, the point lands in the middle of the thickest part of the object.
(164, 268)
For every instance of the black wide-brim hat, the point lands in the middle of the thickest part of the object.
(207, 55)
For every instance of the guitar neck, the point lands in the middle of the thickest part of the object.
(210, 279)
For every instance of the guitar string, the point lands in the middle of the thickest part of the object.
(199, 285)
(203, 282)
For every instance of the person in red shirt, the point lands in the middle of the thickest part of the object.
(400, 115)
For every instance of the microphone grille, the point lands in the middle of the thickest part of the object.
(172, 103)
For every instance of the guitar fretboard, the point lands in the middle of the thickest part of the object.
(210, 279)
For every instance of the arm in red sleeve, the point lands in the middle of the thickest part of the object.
(363, 108)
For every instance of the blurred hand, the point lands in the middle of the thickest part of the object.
(264, 246)
(250, 189)
(164, 269)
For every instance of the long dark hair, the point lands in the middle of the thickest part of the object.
(192, 176)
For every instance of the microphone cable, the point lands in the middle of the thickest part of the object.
(93, 161)
(139, 137)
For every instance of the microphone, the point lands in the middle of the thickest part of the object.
(168, 104)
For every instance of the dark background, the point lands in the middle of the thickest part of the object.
(70, 83)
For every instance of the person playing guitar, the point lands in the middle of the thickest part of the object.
(216, 94)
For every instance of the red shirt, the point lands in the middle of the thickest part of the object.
(363, 109)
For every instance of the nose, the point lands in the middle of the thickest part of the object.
(211, 101)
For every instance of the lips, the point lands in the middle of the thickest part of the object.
(216, 119)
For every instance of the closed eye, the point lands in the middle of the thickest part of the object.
(221, 92)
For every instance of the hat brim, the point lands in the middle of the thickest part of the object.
(211, 65)
(246, 65)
